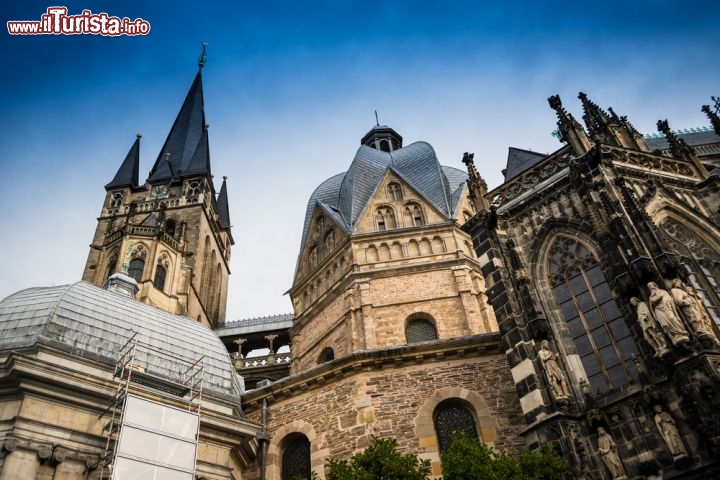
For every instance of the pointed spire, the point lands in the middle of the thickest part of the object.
(200, 161)
(476, 184)
(128, 173)
(222, 206)
(570, 130)
(680, 149)
(596, 119)
(714, 119)
(632, 138)
(184, 138)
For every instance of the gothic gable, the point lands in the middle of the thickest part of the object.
(396, 204)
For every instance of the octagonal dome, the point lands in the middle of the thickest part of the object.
(94, 323)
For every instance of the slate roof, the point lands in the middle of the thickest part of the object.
(345, 196)
(222, 206)
(128, 173)
(90, 322)
(520, 160)
(185, 151)
(693, 139)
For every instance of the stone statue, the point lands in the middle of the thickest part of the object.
(666, 315)
(555, 376)
(691, 306)
(649, 327)
(668, 429)
(609, 454)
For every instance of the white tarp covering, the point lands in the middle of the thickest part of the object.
(157, 442)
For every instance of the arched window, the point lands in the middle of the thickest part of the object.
(593, 319)
(170, 227)
(414, 215)
(451, 417)
(295, 457)
(385, 218)
(326, 355)
(135, 269)
(420, 330)
(394, 191)
(159, 280)
(111, 265)
(699, 260)
(384, 145)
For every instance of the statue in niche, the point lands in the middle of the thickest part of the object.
(651, 330)
(663, 307)
(669, 432)
(555, 376)
(609, 454)
(689, 303)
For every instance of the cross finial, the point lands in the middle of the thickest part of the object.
(203, 56)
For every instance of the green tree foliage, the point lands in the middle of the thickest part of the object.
(379, 461)
(468, 459)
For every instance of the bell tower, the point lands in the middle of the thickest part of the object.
(172, 233)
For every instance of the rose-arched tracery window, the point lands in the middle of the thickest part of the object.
(700, 261)
(592, 316)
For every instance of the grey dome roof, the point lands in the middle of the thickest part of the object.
(90, 322)
(345, 196)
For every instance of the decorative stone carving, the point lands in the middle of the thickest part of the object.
(555, 376)
(651, 330)
(609, 454)
(669, 432)
(663, 307)
(44, 452)
(10, 444)
(691, 306)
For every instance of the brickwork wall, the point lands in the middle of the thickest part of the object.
(341, 416)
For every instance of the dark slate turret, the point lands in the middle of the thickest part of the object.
(185, 151)
(222, 206)
(128, 173)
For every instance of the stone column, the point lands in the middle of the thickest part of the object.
(19, 463)
(271, 353)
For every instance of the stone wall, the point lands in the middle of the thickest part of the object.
(340, 412)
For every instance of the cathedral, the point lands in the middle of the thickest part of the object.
(575, 305)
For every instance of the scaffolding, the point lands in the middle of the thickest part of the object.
(132, 378)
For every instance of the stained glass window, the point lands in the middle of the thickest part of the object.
(601, 337)
(136, 267)
(700, 261)
(296, 457)
(451, 417)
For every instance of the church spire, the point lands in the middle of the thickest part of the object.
(477, 187)
(570, 130)
(128, 173)
(596, 119)
(177, 158)
(222, 206)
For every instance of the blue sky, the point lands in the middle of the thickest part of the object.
(290, 88)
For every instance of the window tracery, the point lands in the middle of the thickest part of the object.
(296, 457)
(420, 330)
(385, 217)
(451, 417)
(591, 315)
(700, 261)
(394, 191)
(414, 215)
(193, 190)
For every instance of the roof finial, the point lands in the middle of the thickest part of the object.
(377, 122)
(203, 56)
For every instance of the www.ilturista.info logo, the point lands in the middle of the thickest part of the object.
(57, 22)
